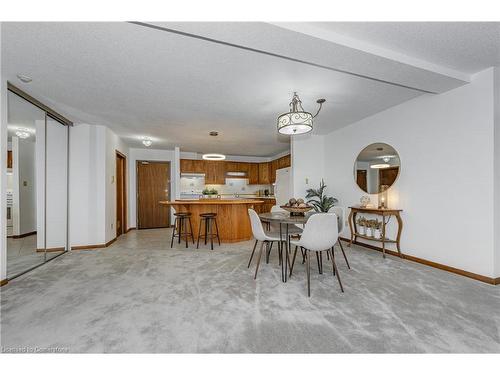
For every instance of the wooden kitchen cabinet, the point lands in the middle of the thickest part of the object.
(232, 166)
(272, 171)
(264, 173)
(253, 173)
(215, 172)
(192, 166)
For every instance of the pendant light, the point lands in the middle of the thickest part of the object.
(297, 121)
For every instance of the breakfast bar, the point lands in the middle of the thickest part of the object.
(232, 215)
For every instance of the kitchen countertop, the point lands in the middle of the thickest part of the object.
(212, 201)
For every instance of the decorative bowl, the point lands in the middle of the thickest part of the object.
(297, 211)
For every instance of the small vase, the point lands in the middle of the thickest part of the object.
(369, 232)
(377, 234)
(362, 230)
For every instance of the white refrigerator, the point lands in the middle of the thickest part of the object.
(282, 186)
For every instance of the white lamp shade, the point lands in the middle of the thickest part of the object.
(293, 123)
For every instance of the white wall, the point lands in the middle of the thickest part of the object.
(113, 144)
(87, 185)
(308, 163)
(445, 143)
(136, 154)
(497, 170)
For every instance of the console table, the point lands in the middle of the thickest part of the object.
(385, 213)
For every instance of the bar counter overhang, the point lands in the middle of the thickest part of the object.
(232, 215)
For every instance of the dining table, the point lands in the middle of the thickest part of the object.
(284, 219)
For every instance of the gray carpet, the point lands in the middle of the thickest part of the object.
(141, 296)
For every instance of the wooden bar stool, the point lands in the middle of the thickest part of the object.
(209, 219)
(180, 227)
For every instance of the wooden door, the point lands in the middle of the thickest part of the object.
(153, 185)
(121, 194)
(387, 176)
(361, 179)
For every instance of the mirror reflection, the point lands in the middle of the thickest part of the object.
(376, 168)
(25, 159)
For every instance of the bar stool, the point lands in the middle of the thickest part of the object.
(209, 220)
(180, 227)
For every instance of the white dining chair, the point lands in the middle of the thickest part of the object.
(261, 235)
(340, 212)
(320, 234)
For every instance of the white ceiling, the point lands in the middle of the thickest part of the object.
(468, 47)
(175, 88)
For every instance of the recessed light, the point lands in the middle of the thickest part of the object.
(213, 133)
(213, 157)
(147, 141)
(24, 78)
(380, 166)
(23, 133)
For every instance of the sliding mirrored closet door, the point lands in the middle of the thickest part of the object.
(37, 179)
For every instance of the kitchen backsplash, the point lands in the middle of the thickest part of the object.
(195, 185)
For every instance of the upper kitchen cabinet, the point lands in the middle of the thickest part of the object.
(264, 173)
(192, 166)
(214, 172)
(284, 162)
(272, 170)
(253, 173)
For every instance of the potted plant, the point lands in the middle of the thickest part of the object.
(369, 228)
(361, 225)
(209, 193)
(318, 199)
(377, 229)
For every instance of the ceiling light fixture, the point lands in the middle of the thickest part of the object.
(24, 78)
(146, 141)
(380, 166)
(297, 121)
(23, 133)
(213, 157)
(213, 133)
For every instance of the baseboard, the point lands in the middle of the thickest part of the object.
(22, 235)
(4, 282)
(51, 250)
(96, 246)
(444, 267)
(131, 228)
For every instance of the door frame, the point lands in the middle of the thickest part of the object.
(137, 162)
(124, 224)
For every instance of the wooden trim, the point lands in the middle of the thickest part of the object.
(22, 235)
(96, 246)
(458, 271)
(4, 282)
(124, 224)
(50, 250)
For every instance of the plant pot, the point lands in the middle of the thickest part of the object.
(362, 230)
(369, 232)
(377, 234)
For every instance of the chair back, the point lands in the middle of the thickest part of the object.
(340, 212)
(257, 230)
(320, 233)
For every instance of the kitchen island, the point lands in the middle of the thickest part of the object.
(232, 215)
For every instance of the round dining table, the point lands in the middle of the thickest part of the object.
(285, 219)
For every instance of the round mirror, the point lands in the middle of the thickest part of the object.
(376, 168)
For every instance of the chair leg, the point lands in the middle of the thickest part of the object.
(293, 260)
(185, 232)
(210, 226)
(253, 251)
(308, 271)
(303, 255)
(173, 233)
(258, 260)
(217, 230)
(327, 255)
(199, 233)
(333, 258)
(343, 252)
(320, 271)
(191, 227)
(179, 230)
(206, 231)
(336, 271)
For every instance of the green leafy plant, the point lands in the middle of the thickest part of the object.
(208, 191)
(318, 199)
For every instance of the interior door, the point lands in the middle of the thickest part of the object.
(361, 179)
(121, 196)
(386, 177)
(153, 186)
